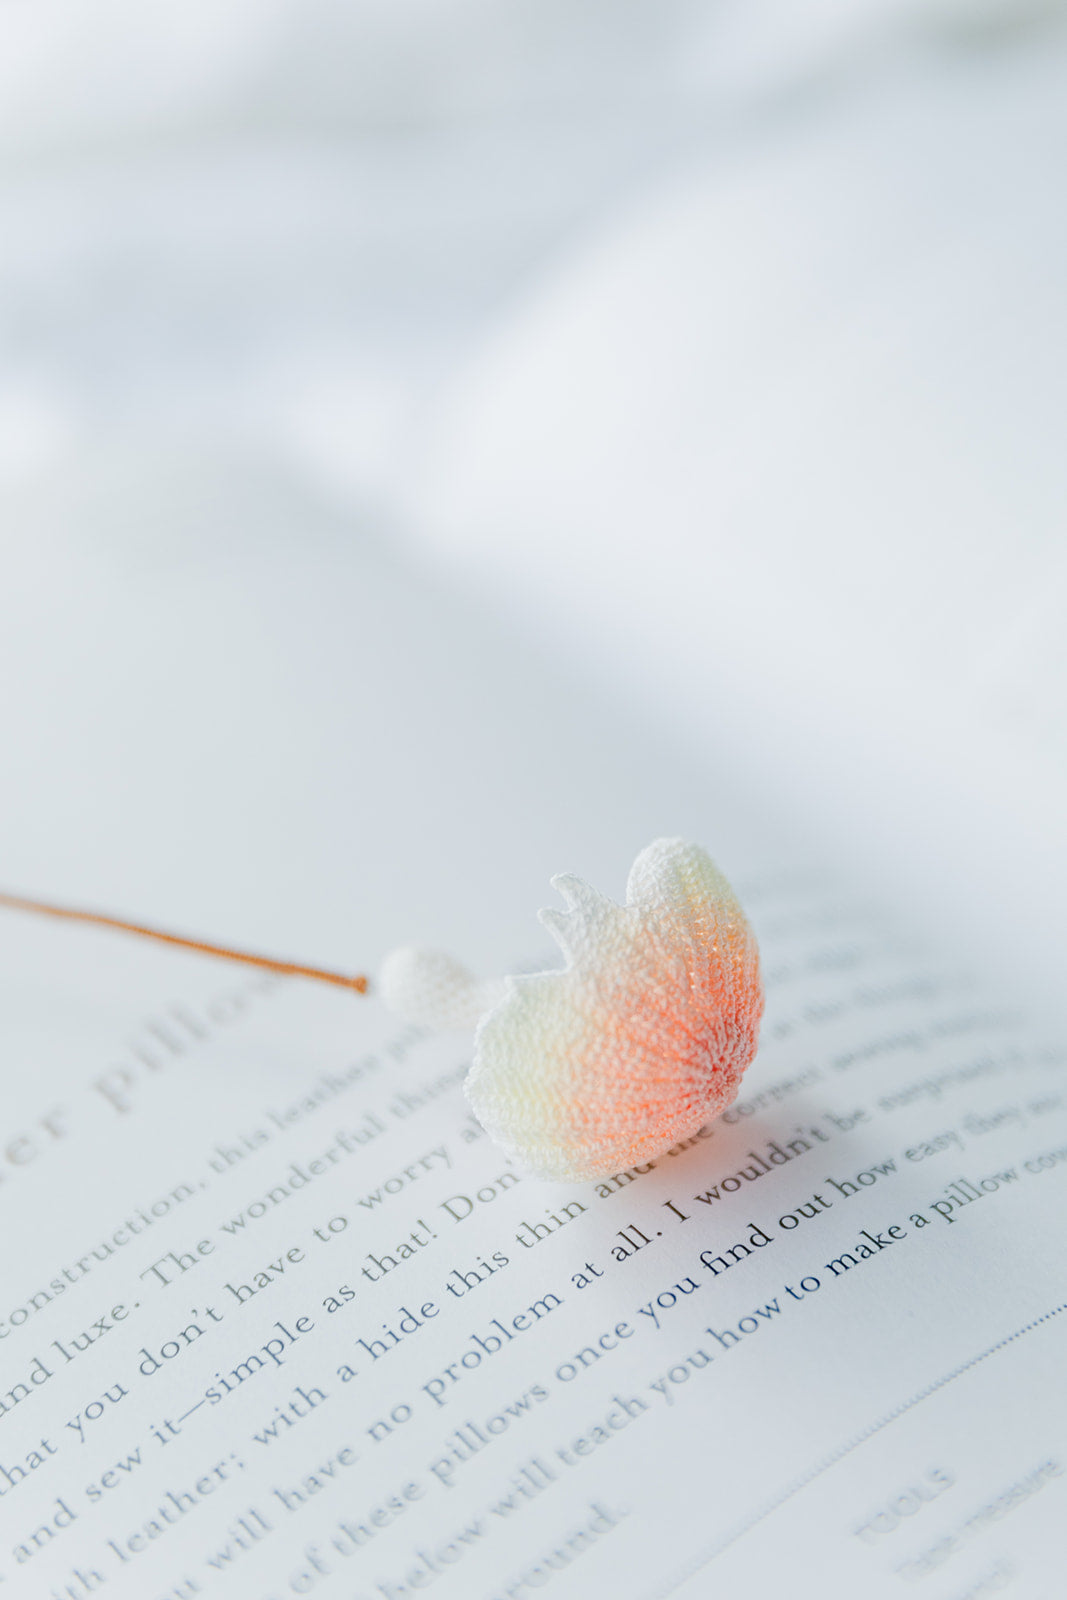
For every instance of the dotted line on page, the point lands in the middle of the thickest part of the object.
(722, 1544)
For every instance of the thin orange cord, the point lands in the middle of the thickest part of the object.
(289, 968)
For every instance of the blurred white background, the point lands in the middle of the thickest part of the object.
(720, 348)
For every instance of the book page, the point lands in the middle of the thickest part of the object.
(278, 1319)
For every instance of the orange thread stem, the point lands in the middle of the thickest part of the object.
(290, 969)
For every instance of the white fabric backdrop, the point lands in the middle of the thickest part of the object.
(784, 448)
(722, 346)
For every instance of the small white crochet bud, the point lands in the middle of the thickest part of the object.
(435, 990)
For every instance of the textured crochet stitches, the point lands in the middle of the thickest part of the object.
(641, 1038)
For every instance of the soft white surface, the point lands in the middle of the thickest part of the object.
(719, 346)
(783, 450)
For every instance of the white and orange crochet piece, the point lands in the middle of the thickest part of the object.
(639, 1040)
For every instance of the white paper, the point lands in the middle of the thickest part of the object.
(819, 1348)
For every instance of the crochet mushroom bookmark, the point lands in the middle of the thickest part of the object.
(633, 1045)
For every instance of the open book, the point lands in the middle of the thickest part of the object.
(278, 1319)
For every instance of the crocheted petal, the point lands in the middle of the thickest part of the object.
(640, 1040)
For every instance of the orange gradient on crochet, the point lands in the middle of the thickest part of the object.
(641, 1039)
